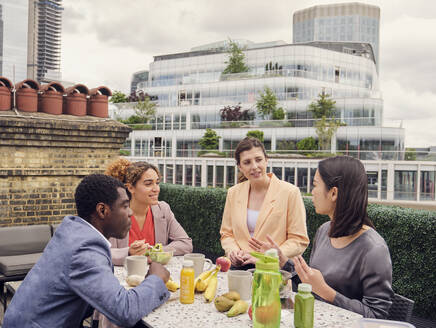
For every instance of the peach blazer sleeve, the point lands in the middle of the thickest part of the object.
(282, 216)
(228, 242)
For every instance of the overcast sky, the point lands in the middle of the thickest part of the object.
(105, 41)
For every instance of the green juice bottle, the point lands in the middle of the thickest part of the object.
(303, 308)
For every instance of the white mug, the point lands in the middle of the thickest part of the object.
(198, 260)
(240, 281)
(136, 264)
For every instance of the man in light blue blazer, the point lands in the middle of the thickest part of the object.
(75, 271)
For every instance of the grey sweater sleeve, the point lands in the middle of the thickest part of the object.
(376, 277)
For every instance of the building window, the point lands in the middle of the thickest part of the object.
(337, 73)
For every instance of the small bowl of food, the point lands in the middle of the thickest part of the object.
(162, 257)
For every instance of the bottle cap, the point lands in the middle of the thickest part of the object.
(272, 252)
(188, 263)
(307, 288)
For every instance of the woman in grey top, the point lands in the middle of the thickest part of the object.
(350, 265)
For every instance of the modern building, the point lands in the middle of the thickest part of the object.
(13, 39)
(343, 22)
(44, 44)
(140, 78)
(190, 90)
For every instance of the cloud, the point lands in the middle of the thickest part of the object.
(408, 52)
(416, 111)
(105, 42)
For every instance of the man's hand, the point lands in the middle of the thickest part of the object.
(138, 247)
(159, 270)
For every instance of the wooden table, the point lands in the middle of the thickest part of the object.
(201, 314)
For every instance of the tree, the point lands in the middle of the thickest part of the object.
(278, 114)
(308, 143)
(210, 140)
(323, 106)
(286, 145)
(136, 96)
(235, 113)
(410, 154)
(236, 60)
(256, 134)
(267, 105)
(323, 110)
(145, 109)
(118, 97)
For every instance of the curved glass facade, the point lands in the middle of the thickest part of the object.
(190, 90)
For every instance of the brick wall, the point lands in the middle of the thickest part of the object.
(42, 159)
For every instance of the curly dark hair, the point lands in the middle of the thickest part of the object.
(94, 189)
(129, 172)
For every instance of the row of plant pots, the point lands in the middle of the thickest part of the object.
(53, 98)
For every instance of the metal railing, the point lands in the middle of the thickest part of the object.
(389, 181)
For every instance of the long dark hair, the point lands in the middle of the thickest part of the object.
(246, 144)
(348, 175)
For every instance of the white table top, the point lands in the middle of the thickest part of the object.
(201, 314)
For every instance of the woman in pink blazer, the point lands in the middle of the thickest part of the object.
(152, 220)
(261, 206)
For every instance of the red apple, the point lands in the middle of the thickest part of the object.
(250, 313)
(224, 262)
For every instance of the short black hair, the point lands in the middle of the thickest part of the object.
(349, 176)
(94, 189)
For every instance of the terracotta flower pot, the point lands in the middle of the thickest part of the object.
(27, 100)
(5, 94)
(50, 100)
(26, 95)
(98, 106)
(75, 101)
(5, 98)
(75, 104)
(98, 101)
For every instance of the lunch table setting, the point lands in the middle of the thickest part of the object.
(208, 307)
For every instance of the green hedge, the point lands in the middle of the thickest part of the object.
(410, 235)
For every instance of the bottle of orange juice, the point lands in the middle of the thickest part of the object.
(187, 283)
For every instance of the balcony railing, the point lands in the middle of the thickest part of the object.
(390, 181)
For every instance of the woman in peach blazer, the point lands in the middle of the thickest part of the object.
(260, 206)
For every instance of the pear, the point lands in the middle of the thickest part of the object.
(223, 304)
(238, 308)
(234, 296)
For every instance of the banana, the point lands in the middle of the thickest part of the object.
(210, 292)
(203, 279)
(172, 285)
(199, 281)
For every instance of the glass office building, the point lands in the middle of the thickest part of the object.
(190, 90)
(13, 39)
(352, 22)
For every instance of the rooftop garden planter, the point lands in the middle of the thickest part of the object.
(98, 101)
(5, 94)
(26, 95)
(50, 98)
(75, 100)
